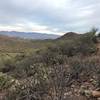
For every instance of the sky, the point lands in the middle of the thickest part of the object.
(49, 16)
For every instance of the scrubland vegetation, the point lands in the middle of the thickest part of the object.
(67, 68)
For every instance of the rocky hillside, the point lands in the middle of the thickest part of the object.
(67, 69)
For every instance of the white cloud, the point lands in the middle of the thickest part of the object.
(29, 27)
(51, 16)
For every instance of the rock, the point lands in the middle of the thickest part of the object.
(96, 94)
(98, 98)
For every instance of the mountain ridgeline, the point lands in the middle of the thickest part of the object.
(29, 35)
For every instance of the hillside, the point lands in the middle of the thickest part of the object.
(12, 47)
(67, 68)
(10, 44)
(13, 44)
(70, 35)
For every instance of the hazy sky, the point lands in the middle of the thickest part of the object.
(49, 16)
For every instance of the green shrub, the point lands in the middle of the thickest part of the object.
(83, 69)
(6, 81)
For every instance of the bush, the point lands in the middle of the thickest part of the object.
(83, 69)
(8, 66)
(6, 82)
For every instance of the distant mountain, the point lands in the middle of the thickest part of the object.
(29, 35)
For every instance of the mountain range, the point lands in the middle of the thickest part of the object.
(29, 35)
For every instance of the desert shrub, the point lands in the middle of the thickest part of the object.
(23, 68)
(28, 89)
(31, 88)
(7, 66)
(5, 81)
(84, 69)
(50, 59)
(69, 47)
(85, 45)
(20, 57)
(26, 67)
(51, 80)
(46, 80)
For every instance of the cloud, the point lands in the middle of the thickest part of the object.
(51, 16)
